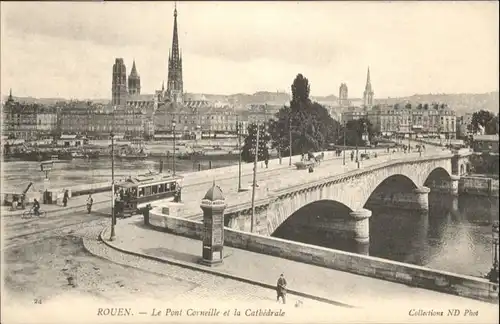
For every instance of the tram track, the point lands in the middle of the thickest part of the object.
(40, 228)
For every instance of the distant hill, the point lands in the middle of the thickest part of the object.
(52, 101)
(462, 103)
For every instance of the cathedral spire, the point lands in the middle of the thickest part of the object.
(175, 38)
(174, 82)
(368, 81)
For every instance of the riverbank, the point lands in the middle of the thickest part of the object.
(479, 185)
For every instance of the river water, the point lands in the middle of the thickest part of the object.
(455, 235)
(82, 171)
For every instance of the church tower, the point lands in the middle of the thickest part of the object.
(174, 82)
(368, 94)
(343, 95)
(119, 83)
(134, 81)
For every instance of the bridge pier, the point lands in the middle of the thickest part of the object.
(422, 198)
(449, 186)
(361, 225)
(417, 199)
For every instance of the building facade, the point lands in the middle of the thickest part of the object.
(432, 120)
(28, 121)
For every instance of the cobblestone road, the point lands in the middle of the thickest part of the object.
(38, 264)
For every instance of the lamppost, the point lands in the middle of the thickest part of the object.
(439, 134)
(409, 131)
(493, 275)
(345, 125)
(365, 133)
(254, 184)
(113, 216)
(238, 127)
(173, 157)
(290, 138)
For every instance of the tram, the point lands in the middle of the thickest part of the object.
(134, 193)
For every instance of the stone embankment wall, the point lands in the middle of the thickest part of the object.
(478, 186)
(412, 275)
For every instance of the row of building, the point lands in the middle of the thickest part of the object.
(35, 121)
(432, 120)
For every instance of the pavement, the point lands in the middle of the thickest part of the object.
(304, 280)
(75, 204)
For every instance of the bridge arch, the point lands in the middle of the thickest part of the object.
(391, 186)
(320, 214)
(436, 176)
(354, 189)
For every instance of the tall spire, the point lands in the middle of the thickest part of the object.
(175, 38)
(10, 99)
(134, 69)
(368, 93)
(368, 81)
(174, 82)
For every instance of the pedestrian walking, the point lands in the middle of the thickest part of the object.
(90, 201)
(281, 289)
(352, 156)
(65, 198)
(267, 162)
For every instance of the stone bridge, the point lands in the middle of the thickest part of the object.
(402, 183)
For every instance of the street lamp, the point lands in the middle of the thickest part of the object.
(254, 184)
(173, 157)
(345, 125)
(409, 131)
(365, 133)
(493, 275)
(290, 137)
(113, 216)
(238, 127)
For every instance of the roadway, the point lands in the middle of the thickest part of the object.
(282, 177)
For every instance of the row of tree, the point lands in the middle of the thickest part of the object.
(306, 124)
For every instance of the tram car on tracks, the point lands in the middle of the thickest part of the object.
(135, 193)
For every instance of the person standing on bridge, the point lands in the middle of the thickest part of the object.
(65, 198)
(281, 289)
(90, 201)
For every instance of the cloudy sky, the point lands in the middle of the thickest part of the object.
(68, 49)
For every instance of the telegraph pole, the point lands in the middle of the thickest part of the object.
(173, 157)
(255, 178)
(113, 216)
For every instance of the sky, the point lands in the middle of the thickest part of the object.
(67, 49)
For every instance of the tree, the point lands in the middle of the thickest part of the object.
(355, 130)
(492, 126)
(310, 124)
(300, 89)
(249, 145)
(481, 118)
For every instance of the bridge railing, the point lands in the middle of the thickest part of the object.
(351, 169)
